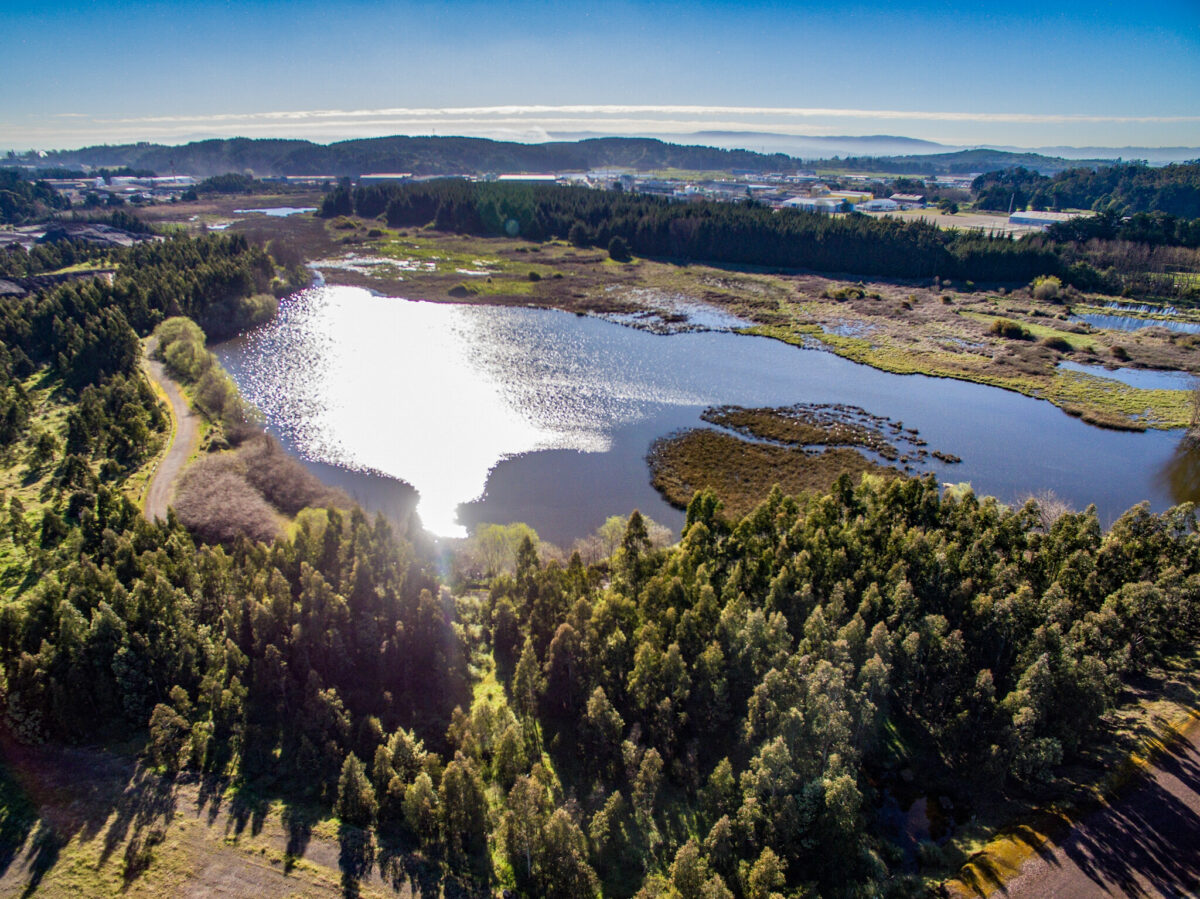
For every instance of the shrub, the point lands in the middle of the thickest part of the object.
(618, 250)
(1061, 344)
(218, 505)
(1046, 288)
(283, 481)
(1003, 327)
(534, 276)
(1119, 352)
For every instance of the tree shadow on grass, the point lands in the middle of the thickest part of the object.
(401, 864)
(247, 807)
(356, 857)
(298, 820)
(1145, 843)
(47, 843)
(147, 799)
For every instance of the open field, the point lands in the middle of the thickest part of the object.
(967, 220)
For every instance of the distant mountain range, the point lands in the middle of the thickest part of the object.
(715, 151)
(892, 145)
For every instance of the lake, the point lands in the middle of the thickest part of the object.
(498, 414)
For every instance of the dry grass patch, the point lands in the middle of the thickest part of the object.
(742, 473)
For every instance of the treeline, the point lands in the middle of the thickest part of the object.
(960, 162)
(219, 281)
(726, 712)
(421, 155)
(85, 334)
(17, 262)
(22, 200)
(228, 183)
(273, 661)
(741, 233)
(1125, 188)
(1156, 229)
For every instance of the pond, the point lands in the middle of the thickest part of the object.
(1142, 378)
(280, 211)
(1119, 322)
(498, 414)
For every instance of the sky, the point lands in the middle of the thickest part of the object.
(1107, 74)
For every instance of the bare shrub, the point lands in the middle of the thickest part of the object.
(216, 503)
(284, 482)
(1050, 507)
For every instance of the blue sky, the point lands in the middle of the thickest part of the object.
(1108, 74)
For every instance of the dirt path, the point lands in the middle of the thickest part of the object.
(183, 441)
(1147, 843)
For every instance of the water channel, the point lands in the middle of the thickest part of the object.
(499, 414)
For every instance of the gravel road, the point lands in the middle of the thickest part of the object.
(1146, 843)
(183, 441)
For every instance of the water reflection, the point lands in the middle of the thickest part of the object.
(1117, 322)
(503, 414)
(1181, 474)
(1142, 378)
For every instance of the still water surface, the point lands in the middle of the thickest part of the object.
(511, 414)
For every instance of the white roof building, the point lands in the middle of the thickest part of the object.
(880, 205)
(1040, 219)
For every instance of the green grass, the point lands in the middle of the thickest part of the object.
(1080, 342)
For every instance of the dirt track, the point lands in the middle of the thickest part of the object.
(187, 432)
(1147, 843)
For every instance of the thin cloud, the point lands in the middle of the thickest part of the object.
(488, 112)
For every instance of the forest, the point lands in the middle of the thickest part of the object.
(717, 718)
(22, 200)
(1126, 189)
(420, 155)
(739, 233)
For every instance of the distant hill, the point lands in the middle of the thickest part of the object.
(419, 155)
(451, 155)
(817, 147)
(960, 162)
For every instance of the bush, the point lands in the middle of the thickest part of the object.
(218, 505)
(1046, 288)
(1003, 327)
(534, 276)
(283, 481)
(1119, 352)
(618, 250)
(1061, 344)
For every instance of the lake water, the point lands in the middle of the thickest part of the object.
(499, 414)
